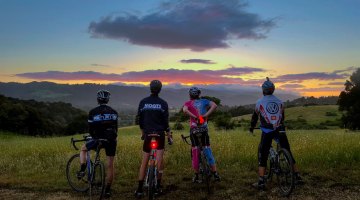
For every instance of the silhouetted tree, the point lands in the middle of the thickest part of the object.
(349, 102)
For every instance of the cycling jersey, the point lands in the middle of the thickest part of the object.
(197, 107)
(271, 112)
(103, 122)
(153, 114)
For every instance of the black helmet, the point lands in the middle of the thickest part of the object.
(194, 92)
(103, 96)
(155, 86)
(268, 87)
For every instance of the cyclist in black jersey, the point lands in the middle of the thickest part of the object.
(103, 124)
(153, 117)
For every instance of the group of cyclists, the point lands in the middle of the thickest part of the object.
(153, 117)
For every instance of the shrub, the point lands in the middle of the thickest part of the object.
(178, 126)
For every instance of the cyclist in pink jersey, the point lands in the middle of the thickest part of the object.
(199, 109)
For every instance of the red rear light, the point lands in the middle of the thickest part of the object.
(153, 144)
(201, 119)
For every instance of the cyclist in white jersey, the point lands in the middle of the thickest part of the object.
(270, 109)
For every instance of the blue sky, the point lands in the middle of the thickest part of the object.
(279, 37)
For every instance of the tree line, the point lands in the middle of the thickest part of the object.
(29, 117)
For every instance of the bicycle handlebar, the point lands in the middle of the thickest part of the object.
(184, 138)
(259, 129)
(86, 137)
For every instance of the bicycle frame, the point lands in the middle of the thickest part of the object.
(152, 157)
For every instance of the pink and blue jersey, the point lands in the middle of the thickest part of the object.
(197, 107)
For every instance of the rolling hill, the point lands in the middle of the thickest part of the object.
(123, 97)
(312, 114)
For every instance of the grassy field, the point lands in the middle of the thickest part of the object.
(34, 168)
(312, 114)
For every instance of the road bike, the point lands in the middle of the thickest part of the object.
(152, 171)
(94, 180)
(204, 167)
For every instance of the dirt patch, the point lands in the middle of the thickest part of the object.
(305, 192)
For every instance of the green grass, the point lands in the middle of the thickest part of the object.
(312, 114)
(332, 156)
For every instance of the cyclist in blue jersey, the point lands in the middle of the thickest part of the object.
(199, 109)
(270, 109)
(103, 124)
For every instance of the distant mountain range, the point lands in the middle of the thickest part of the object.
(122, 97)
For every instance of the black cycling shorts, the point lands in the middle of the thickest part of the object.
(205, 140)
(265, 144)
(160, 140)
(110, 146)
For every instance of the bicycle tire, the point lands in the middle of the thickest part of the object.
(206, 173)
(285, 177)
(269, 171)
(97, 181)
(72, 167)
(151, 182)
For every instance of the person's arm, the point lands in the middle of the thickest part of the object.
(91, 123)
(283, 115)
(140, 120)
(166, 117)
(187, 111)
(254, 119)
(212, 108)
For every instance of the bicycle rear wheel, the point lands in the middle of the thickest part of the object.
(72, 167)
(151, 182)
(206, 173)
(270, 167)
(285, 177)
(98, 181)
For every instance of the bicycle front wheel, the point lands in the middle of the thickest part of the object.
(77, 183)
(97, 182)
(285, 177)
(151, 182)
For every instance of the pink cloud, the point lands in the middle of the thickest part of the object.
(165, 75)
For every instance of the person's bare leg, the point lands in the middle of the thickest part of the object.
(262, 171)
(110, 170)
(143, 166)
(142, 170)
(83, 154)
(160, 163)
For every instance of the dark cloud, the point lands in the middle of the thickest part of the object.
(201, 61)
(100, 65)
(347, 70)
(186, 24)
(165, 75)
(321, 89)
(292, 86)
(335, 83)
(309, 76)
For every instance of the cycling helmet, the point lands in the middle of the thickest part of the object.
(155, 86)
(103, 96)
(268, 87)
(194, 92)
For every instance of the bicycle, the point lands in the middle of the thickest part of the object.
(151, 175)
(204, 167)
(94, 180)
(281, 164)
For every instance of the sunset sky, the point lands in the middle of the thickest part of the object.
(307, 47)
